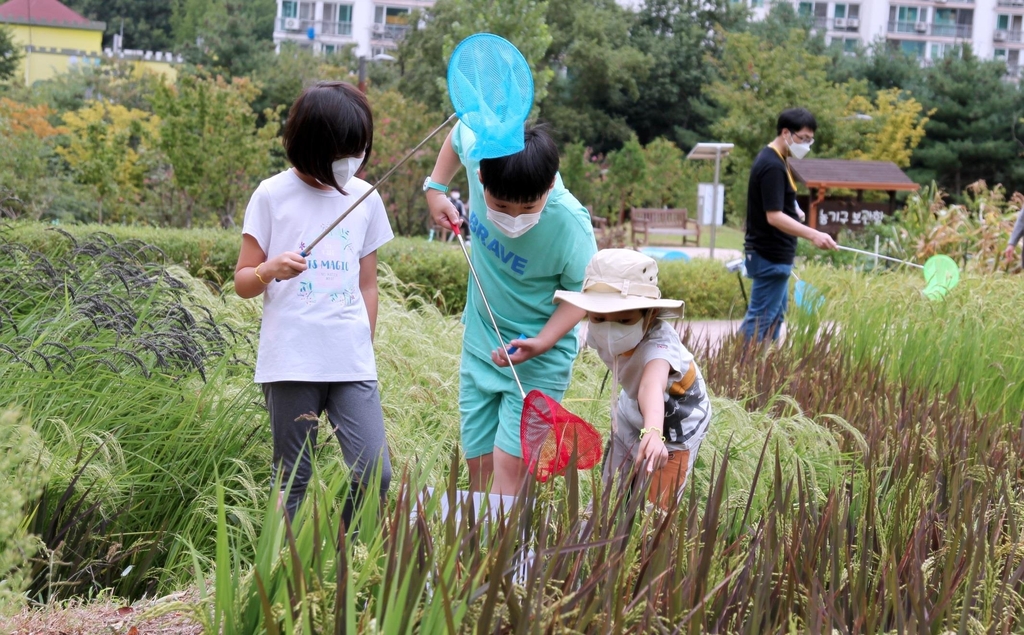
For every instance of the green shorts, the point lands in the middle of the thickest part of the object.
(490, 407)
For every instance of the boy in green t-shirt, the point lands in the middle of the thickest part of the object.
(530, 238)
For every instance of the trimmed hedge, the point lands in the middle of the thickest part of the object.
(209, 254)
(433, 270)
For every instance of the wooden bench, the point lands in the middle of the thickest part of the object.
(675, 222)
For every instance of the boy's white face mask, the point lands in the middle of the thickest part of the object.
(614, 337)
(512, 226)
(345, 169)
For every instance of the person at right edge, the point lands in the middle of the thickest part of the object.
(774, 222)
(1015, 236)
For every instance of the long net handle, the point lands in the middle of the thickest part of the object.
(494, 323)
(874, 255)
(305, 252)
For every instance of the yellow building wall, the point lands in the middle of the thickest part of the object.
(51, 47)
(55, 50)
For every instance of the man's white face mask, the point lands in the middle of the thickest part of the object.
(799, 150)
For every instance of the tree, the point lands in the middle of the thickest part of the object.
(208, 132)
(229, 36)
(27, 137)
(10, 54)
(597, 71)
(973, 133)
(895, 129)
(626, 172)
(147, 25)
(107, 148)
(881, 65)
(423, 54)
(680, 37)
(400, 124)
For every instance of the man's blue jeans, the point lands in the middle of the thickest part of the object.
(768, 297)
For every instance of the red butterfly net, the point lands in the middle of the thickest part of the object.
(551, 437)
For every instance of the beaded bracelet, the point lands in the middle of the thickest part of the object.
(257, 272)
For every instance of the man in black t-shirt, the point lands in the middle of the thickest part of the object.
(774, 222)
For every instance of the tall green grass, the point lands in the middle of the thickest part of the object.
(840, 487)
(971, 339)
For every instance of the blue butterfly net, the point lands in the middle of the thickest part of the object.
(491, 88)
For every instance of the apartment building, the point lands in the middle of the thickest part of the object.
(325, 27)
(925, 29)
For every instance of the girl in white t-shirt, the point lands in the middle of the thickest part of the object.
(662, 413)
(319, 311)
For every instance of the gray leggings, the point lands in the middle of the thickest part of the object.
(353, 409)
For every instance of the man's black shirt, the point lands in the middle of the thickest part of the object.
(769, 190)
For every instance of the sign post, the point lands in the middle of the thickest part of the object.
(716, 151)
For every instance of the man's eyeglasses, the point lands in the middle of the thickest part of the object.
(800, 139)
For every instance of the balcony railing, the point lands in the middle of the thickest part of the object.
(1011, 3)
(959, 31)
(1006, 35)
(389, 31)
(295, 25)
(1013, 71)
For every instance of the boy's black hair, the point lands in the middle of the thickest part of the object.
(525, 176)
(795, 120)
(328, 121)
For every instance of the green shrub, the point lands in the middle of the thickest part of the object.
(210, 254)
(433, 270)
(707, 287)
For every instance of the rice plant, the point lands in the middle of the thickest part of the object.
(862, 477)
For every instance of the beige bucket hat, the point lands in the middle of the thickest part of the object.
(621, 280)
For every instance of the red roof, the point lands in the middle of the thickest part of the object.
(44, 12)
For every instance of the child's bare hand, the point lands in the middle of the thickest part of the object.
(284, 266)
(525, 349)
(442, 212)
(653, 453)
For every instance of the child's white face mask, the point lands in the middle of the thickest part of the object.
(615, 337)
(512, 226)
(345, 169)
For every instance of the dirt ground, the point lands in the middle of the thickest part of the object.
(159, 616)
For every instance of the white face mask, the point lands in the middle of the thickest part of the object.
(614, 337)
(512, 226)
(799, 150)
(456, 196)
(345, 169)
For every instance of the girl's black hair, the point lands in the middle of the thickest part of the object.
(328, 121)
(525, 176)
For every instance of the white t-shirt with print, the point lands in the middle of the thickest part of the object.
(315, 326)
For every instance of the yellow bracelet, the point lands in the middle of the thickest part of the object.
(647, 431)
(257, 272)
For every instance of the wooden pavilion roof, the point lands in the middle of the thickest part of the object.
(850, 174)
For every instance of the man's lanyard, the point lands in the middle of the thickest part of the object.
(789, 174)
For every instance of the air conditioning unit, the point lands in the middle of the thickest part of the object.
(921, 27)
(853, 23)
(378, 28)
(999, 36)
(291, 24)
(839, 23)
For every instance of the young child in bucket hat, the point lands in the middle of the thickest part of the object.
(663, 412)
